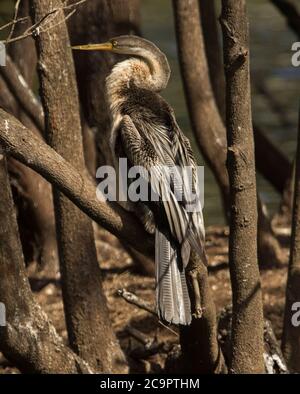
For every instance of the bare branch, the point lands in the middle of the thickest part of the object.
(291, 13)
(23, 144)
(92, 338)
(43, 25)
(246, 350)
(23, 19)
(22, 92)
(14, 20)
(29, 338)
(141, 337)
(134, 300)
(291, 333)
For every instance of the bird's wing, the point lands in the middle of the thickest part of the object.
(157, 155)
(185, 158)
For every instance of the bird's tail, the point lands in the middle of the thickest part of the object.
(173, 301)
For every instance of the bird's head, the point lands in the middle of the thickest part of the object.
(125, 45)
(137, 47)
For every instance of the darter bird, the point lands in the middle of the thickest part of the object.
(144, 130)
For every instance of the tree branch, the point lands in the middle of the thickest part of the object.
(291, 13)
(134, 300)
(30, 150)
(43, 24)
(206, 121)
(23, 93)
(246, 350)
(266, 153)
(29, 339)
(88, 323)
(291, 333)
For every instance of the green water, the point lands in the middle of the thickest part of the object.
(271, 41)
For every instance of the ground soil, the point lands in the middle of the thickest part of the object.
(119, 271)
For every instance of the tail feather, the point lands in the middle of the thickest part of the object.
(173, 302)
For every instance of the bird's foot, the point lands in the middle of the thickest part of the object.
(198, 312)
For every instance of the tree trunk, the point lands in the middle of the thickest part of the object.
(76, 185)
(291, 332)
(247, 325)
(29, 339)
(201, 352)
(213, 52)
(289, 10)
(98, 21)
(205, 118)
(270, 161)
(88, 324)
(31, 190)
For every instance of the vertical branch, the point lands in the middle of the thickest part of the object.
(88, 324)
(23, 52)
(291, 333)
(28, 339)
(247, 323)
(213, 51)
(290, 11)
(18, 78)
(98, 21)
(270, 161)
(204, 114)
(201, 351)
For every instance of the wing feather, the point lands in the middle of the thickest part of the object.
(159, 147)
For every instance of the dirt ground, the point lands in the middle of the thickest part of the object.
(119, 272)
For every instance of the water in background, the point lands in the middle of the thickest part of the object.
(271, 42)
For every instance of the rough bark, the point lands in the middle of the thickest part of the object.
(207, 122)
(98, 21)
(246, 350)
(30, 150)
(205, 117)
(291, 333)
(273, 358)
(270, 161)
(31, 191)
(201, 352)
(89, 328)
(30, 186)
(29, 339)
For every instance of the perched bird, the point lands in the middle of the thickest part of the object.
(144, 130)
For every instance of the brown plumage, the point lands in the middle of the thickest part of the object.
(145, 131)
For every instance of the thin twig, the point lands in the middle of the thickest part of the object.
(14, 20)
(40, 26)
(141, 337)
(23, 19)
(32, 151)
(134, 300)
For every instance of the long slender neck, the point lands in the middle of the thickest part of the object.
(145, 72)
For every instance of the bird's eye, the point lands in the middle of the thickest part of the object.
(114, 43)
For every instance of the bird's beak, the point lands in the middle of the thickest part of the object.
(106, 46)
